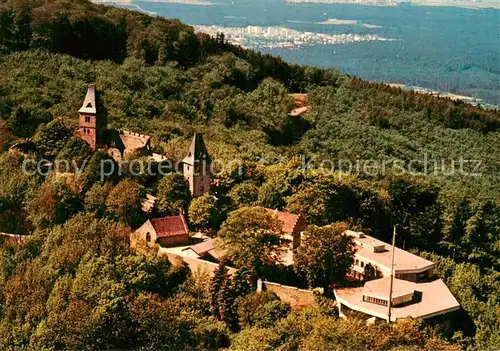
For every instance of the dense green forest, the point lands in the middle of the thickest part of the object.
(76, 284)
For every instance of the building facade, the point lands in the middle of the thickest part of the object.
(293, 226)
(167, 231)
(90, 127)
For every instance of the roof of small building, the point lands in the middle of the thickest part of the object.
(159, 157)
(207, 247)
(197, 151)
(380, 288)
(404, 261)
(170, 226)
(299, 111)
(89, 104)
(132, 141)
(289, 219)
(203, 247)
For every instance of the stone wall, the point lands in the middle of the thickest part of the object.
(172, 241)
(195, 264)
(297, 298)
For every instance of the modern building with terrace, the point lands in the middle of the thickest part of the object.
(373, 260)
(415, 291)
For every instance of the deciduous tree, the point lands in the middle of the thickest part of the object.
(251, 237)
(124, 203)
(325, 255)
(173, 194)
(204, 213)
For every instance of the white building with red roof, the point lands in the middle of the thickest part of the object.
(166, 231)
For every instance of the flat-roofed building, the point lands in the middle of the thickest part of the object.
(415, 292)
(409, 299)
(373, 260)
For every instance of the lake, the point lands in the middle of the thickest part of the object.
(444, 48)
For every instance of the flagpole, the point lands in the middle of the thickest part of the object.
(392, 274)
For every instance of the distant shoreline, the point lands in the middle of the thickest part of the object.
(133, 3)
(467, 4)
(184, 2)
(444, 94)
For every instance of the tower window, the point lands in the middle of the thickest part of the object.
(87, 119)
(148, 237)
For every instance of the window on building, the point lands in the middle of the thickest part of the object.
(362, 264)
(148, 237)
(87, 119)
(357, 262)
(375, 300)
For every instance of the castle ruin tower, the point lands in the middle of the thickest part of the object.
(90, 129)
(197, 167)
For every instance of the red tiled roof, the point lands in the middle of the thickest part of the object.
(289, 219)
(170, 226)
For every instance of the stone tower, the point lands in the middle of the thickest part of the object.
(90, 128)
(197, 167)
